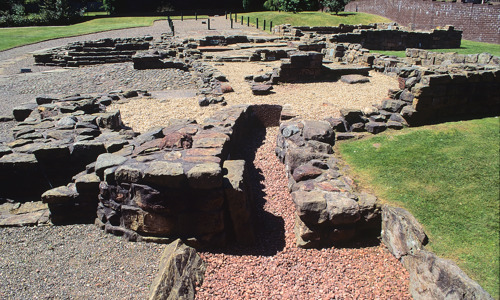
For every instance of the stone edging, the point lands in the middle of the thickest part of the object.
(431, 277)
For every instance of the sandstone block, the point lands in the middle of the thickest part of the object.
(60, 195)
(163, 173)
(181, 271)
(205, 176)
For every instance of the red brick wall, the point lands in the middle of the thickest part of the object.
(479, 22)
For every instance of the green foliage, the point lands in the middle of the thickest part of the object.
(447, 176)
(334, 5)
(48, 12)
(291, 5)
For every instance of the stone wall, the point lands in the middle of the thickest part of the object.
(179, 183)
(55, 139)
(298, 31)
(400, 39)
(328, 210)
(433, 86)
(93, 52)
(376, 36)
(479, 22)
(431, 277)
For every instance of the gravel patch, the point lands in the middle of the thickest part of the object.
(311, 100)
(74, 262)
(276, 269)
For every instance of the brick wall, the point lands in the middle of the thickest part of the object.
(479, 22)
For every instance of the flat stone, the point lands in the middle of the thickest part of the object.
(130, 173)
(353, 79)
(23, 111)
(107, 160)
(60, 195)
(164, 173)
(205, 176)
(88, 183)
(306, 172)
(18, 159)
(25, 219)
(261, 89)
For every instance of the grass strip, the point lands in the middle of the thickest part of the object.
(447, 176)
(466, 47)
(310, 18)
(18, 36)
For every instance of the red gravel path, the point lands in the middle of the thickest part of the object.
(276, 269)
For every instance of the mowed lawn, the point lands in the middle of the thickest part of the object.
(466, 47)
(447, 176)
(18, 36)
(311, 18)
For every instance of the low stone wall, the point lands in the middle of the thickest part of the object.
(55, 139)
(377, 36)
(298, 31)
(328, 210)
(301, 66)
(178, 183)
(93, 52)
(453, 86)
(400, 40)
(431, 277)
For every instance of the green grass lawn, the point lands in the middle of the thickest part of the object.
(18, 36)
(310, 18)
(466, 47)
(447, 176)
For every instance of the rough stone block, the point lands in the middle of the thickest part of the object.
(181, 271)
(205, 176)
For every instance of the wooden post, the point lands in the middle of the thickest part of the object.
(236, 16)
(257, 20)
(208, 23)
(264, 25)
(231, 23)
(271, 26)
(248, 21)
(182, 16)
(241, 20)
(196, 16)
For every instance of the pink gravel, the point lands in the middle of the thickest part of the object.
(276, 269)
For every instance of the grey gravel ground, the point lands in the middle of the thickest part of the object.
(16, 88)
(74, 262)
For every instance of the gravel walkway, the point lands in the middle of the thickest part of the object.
(82, 262)
(276, 269)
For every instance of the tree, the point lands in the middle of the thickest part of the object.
(335, 5)
(290, 5)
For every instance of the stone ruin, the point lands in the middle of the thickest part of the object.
(378, 36)
(185, 181)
